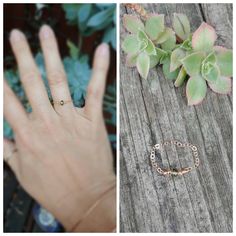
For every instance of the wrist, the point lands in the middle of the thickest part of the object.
(74, 206)
(101, 216)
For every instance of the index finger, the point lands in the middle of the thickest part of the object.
(13, 110)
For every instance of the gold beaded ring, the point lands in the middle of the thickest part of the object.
(175, 172)
(61, 102)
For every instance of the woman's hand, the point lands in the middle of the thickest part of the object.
(61, 155)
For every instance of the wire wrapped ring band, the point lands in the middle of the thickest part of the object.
(61, 102)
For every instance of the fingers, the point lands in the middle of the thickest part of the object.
(96, 88)
(10, 155)
(29, 74)
(55, 70)
(13, 110)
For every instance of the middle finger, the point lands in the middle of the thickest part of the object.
(55, 71)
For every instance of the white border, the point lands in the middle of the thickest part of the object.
(118, 91)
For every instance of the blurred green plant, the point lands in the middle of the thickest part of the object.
(93, 17)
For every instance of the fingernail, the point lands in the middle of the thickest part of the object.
(16, 35)
(103, 49)
(45, 32)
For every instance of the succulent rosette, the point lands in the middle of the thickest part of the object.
(146, 44)
(194, 58)
(206, 65)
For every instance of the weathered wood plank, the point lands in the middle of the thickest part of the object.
(153, 110)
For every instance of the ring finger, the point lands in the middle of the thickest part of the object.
(55, 71)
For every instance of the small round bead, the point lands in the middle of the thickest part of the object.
(61, 102)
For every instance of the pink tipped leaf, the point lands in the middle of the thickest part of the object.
(224, 58)
(131, 44)
(204, 38)
(132, 23)
(154, 26)
(222, 85)
(196, 90)
(143, 64)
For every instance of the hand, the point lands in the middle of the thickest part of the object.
(63, 157)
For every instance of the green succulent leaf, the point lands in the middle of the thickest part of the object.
(161, 55)
(181, 26)
(143, 64)
(187, 44)
(204, 38)
(212, 73)
(150, 49)
(154, 26)
(177, 55)
(224, 58)
(142, 36)
(170, 43)
(167, 33)
(222, 85)
(181, 77)
(131, 60)
(132, 23)
(166, 70)
(196, 90)
(143, 45)
(154, 60)
(131, 44)
(211, 58)
(192, 63)
(101, 19)
(74, 50)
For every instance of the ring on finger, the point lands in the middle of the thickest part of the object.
(61, 102)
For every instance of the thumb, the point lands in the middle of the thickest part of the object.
(10, 154)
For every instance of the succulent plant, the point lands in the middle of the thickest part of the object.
(183, 55)
(204, 63)
(147, 44)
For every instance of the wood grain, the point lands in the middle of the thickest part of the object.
(154, 110)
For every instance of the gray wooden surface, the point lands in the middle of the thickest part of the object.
(154, 110)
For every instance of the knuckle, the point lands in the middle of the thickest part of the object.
(94, 92)
(56, 78)
(25, 137)
(28, 77)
